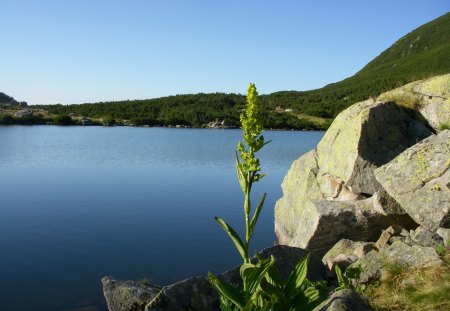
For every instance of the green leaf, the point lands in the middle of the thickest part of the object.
(311, 293)
(241, 175)
(257, 275)
(297, 277)
(233, 236)
(246, 269)
(274, 278)
(256, 214)
(275, 292)
(341, 280)
(227, 290)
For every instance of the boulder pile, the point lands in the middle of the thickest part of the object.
(376, 190)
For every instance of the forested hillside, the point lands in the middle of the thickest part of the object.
(422, 53)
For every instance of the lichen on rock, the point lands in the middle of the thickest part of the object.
(419, 178)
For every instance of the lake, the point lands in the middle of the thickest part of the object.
(80, 203)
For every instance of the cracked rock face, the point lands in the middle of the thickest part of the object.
(364, 136)
(419, 180)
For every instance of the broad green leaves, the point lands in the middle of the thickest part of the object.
(233, 236)
(266, 290)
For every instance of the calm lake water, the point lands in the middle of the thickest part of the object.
(79, 203)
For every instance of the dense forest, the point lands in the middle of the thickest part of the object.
(422, 53)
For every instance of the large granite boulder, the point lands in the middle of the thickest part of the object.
(319, 224)
(419, 180)
(365, 136)
(430, 97)
(331, 192)
(300, 185)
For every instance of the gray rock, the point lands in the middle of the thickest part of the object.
(344, 300)
(444, 233)
(424, 237)
(318, 225)
(419, 180)
(386, 235)
(325, 191)
(128, 295)
(361, 138)
(386, 205)
(430, 97)
(363, 249)
(191, 294)
(345, 252)
(412, 256)
(409, 241)
(299, 186)
(399, 253)
(397, 238)
(404, 233)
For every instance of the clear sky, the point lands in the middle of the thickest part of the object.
(75, 51)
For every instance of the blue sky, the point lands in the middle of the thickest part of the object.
(75, 51)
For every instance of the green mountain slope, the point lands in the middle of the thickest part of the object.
(422, 53)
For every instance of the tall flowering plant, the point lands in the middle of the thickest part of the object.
(262, 287)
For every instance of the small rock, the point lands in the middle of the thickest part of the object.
(409, 241)
(363, 249)
(444, 233)
(404, 233)
(127, 295)
(344, 300)
(424, 237)
(384, 238)
(397, 238)
(345, 253)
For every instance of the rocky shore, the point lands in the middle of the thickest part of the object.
(374, 192)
